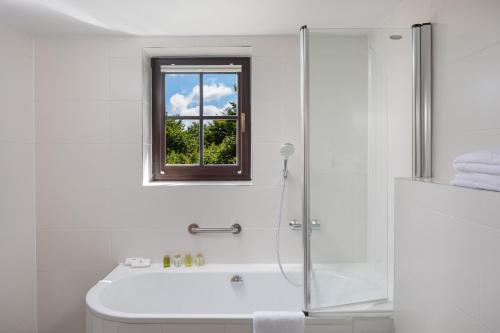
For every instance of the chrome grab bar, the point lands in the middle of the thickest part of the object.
(295, 225)
(193, 228)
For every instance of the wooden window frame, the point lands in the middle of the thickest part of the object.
(238, 172)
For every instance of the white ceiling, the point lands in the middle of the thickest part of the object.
(189, 17)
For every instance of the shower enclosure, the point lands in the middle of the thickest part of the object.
(357, 130)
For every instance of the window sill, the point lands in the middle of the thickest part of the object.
(197, 183)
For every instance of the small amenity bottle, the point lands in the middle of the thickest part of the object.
(188, 260)
(166, 261)
(177, 261)
(199, 260)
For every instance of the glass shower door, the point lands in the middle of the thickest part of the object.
(347, 178)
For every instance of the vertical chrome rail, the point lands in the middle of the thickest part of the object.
(304, 97)
(417, 97)
(426, 91)
(422, 100)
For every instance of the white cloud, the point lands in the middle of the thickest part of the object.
(212, 110)
(180, 104)
(215, 91)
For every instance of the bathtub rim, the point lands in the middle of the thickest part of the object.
(322, 318)
(94, 307)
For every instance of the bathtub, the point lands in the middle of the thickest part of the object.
(207, 299)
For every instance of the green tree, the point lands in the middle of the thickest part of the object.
(182, 140)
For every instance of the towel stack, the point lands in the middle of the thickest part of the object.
(480, 169)
(278, 322)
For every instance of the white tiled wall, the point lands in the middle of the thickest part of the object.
(17, 201)
(447, 269)
(466, 73)
(445, 237)
(92, 207)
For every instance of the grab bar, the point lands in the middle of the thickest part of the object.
(193, 228)
(295, 225)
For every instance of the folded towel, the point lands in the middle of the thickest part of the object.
(278, 322)
(486, 156)
(478, 181)
(492, 169)
(137, 262)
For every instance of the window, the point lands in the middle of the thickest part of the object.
(201, 117)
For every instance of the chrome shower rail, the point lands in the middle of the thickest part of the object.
(193, 228)
(422, 100)
(306, 226)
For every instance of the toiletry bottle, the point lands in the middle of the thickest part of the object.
(199, 260)
(166, 261)
(188, 260)
(177, 261)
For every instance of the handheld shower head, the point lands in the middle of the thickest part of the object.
(287, 150)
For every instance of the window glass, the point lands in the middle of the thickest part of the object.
(220, 94)
(220, 142)
(182, 94)
(182, 141)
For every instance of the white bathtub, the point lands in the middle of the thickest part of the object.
(203, 299)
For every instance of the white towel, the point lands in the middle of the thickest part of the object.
(491, 169)
(486, 156)
(478, 181)
(278, 322)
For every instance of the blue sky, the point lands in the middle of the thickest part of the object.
(182, 93)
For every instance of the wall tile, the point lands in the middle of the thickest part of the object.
(449, 200)
(266, 121)
(251, 206)
(16, 126)
(73, 207)
(126, 122)
(63, 249)
(16, 168)
(154, 207)
(490, 209)
(78, 165)
(453, 39)
(126, 165)
(72, 122)
(125, 78)
(17, 182)
(71, 71)
(17, 75)
(438, 258)
(490, 275)
(17, 302)
(265, 86)
(61, 292)
(60, 322)
(217, 248)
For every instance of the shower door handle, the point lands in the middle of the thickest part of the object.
(295, 225)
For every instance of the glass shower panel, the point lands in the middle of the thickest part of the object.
(349, 175)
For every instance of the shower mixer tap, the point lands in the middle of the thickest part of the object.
(295, 225)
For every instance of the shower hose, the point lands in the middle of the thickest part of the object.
(280, 216)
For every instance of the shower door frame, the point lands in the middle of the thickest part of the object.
(306, 225)
(422, 137)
